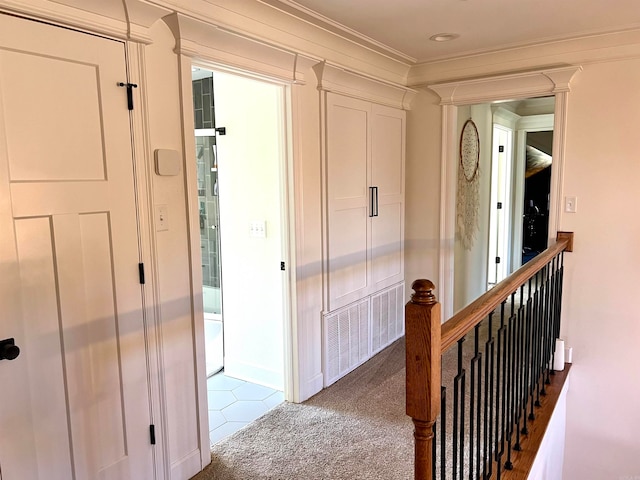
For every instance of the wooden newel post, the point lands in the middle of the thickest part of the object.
(422, 334)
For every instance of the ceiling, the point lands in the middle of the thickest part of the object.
(405, 26)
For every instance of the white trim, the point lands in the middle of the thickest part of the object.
(448, 172)
(195, 266)
(148, 250)
(134, 22)
(208, 42)
(336, 79)
(537, 83)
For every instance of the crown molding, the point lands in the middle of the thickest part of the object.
(333, 78)
(535, 83)
(122, 19)
(210, 43)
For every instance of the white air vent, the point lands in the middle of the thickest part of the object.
(346, 340)
(387, 317)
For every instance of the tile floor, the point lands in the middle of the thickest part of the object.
(235, 403)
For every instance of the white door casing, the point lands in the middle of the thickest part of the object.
(69, 285)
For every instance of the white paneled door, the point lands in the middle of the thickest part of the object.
(75, 402)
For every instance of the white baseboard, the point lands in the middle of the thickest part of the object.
(253, 373)
(187, 466)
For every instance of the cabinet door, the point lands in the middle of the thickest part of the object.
(387, 174)
(347, 199)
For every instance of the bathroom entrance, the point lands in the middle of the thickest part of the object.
(240, 155)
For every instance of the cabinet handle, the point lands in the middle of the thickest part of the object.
(375, 192)
(371, 203)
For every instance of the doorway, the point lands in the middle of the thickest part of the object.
(240, 155)
(537, 187)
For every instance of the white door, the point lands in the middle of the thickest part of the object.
(349, 199)
(387, 178)
(75, 402)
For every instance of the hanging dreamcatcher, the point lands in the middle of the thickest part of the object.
(468, 197)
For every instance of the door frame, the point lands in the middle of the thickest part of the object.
(536, 83)
(291, 382)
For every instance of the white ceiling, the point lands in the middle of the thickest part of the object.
(483, 25)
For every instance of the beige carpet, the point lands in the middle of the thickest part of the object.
(356, 429)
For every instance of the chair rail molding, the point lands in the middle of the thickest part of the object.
(535, 83)
(336, 79)
(219, 46)
(121, 19)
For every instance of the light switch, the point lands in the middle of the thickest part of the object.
(162, 218)
(258, 229)
(571, 204)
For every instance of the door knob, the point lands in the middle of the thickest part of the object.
(8, 349)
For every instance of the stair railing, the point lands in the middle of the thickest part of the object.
(501, 372)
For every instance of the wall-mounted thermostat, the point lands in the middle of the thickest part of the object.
(167, 162)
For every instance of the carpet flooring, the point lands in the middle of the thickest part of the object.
(355, 429)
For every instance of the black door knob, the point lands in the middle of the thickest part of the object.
(8, 349)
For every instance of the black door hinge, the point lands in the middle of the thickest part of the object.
(501, 148)
(497, 259)
(152, 434)
(499, 205)
(282, 266)
(130, 87)
(141, 272)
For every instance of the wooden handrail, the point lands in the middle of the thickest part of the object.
(467, 318)
(427, 339)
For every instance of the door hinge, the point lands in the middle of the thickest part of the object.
(497, 259)
(499, 205)
(152, 434)
(282, 266)
(501, 149)
(130, 87)
(141, 272)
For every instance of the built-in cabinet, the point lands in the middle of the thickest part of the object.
(364, 231)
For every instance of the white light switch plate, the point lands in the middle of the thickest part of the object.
(571, 204)
(258, 229)
(162, 218)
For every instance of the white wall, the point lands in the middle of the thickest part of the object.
(601, 322)
(172, 255)
(251, 159)
(470, 266)
(422, 190)
(549, 461)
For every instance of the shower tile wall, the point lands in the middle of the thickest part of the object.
(203, 106)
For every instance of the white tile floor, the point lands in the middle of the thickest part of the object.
(235, 403)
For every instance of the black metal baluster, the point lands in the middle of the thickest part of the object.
(528, 351)
(474, 404)
(458, 416)
(549, 329)
(488, 400)
(500, 391)
(443, 433)
(434, 452)
(520, 368)
(511, 386)
(535, 399)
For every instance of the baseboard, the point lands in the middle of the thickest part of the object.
(311, 387)
(249, 372)
(187, 466)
